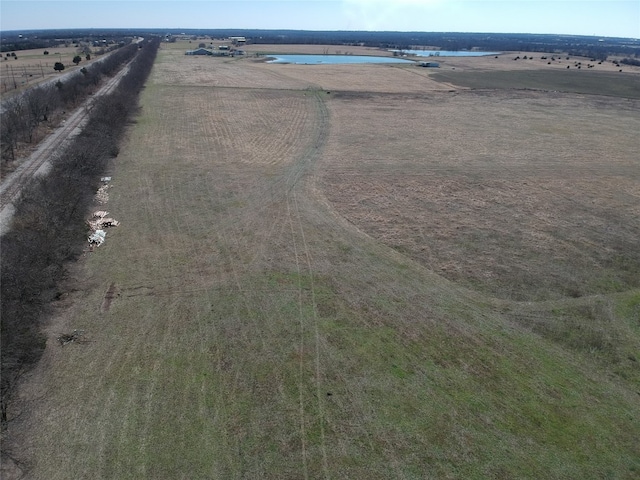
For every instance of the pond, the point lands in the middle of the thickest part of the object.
(446, 53)
(333, 59)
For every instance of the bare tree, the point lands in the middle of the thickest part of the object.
(40, 103)
(12, 126)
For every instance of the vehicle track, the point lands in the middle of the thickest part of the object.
(302, 256)
(40, 161)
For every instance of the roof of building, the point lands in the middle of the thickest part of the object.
(198, 51)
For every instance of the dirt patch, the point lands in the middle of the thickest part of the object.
(111, 294)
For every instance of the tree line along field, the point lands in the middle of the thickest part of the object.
(316, 279)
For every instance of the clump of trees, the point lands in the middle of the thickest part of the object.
(23, 114)
(630, 61)
(48, 228)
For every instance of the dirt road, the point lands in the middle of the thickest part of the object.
(39, 162)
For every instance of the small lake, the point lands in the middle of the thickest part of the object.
(446, 53)
(332, 59)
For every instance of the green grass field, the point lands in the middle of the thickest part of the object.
(239, 324)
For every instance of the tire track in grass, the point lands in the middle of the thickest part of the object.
(122, 365)
(301, 349)
(157, 327)
(291, 183)
(229, 234)
(320, 205)
(280, 191)
(316, 334)
(224, 242)
(304, 166)
(229, 239)
(164, 338)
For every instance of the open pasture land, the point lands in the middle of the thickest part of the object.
(33, 66)
(515, 61)
(525, 196)
(328, 285)
(256, 73)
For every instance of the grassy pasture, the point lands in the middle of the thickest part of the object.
(515, 195)
(289, 296)
(618, 84)
(33, 66)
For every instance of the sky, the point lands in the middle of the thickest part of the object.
(606, 18)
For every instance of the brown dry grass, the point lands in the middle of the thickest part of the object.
(256, 73)
(276, 315)
(506, 62)
(512, 194)
(32, 67)
(317, 50)
(363, 78)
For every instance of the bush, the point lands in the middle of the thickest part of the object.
(630, 61)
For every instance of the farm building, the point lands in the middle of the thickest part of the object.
(429, 64)
(199, 51)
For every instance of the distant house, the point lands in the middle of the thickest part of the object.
(199, 51)
(223, 47)
(429, 64)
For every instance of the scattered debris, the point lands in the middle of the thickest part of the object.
(97, 237)
(102, 196)
(100, 221)
(109, 222)
(66, 338)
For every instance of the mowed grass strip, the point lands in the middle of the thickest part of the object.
(255, 333)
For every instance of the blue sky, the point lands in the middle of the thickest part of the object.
(612, 18)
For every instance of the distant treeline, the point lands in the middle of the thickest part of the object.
(589, 46)
(26, 40)
(48, 228)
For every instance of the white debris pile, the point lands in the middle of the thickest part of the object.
(97, 238)
(102, 195)
(100, 219)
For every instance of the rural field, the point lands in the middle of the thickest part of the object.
(362, 271)
(33, 66)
